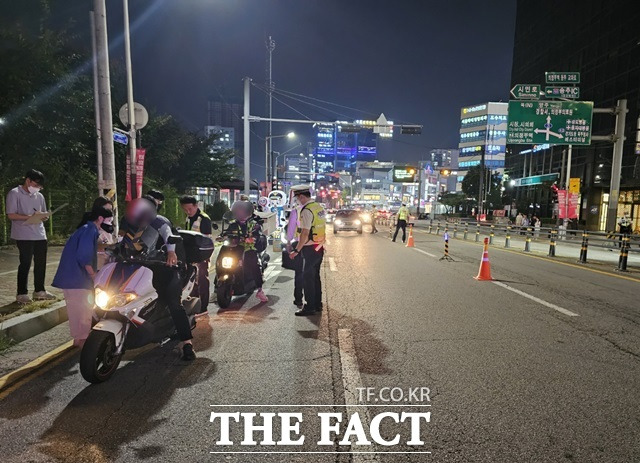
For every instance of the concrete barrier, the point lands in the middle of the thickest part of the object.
(32, 324)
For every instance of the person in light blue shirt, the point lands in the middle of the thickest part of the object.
(76, 273)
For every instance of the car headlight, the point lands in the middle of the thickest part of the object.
(227, 262)
(338, 222)
(357, 222)
(102, 299)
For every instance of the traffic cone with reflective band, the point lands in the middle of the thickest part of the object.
(484, 274)
(410, 239)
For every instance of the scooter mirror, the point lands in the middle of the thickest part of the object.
(215, 226)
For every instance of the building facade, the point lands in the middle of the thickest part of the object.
(227, 114)
(483, 132)
(337, 151)
(600, 40)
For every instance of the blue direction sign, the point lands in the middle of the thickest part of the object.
(120, 138)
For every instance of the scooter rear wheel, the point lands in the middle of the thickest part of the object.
(223, 294)
(98, 359)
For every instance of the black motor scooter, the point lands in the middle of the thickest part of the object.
(230, 277)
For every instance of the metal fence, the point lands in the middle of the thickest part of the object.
(64, 222)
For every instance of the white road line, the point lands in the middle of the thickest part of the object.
(16, 271)
(536, 299)
(425, 252)
(332, 264)
(351, 381)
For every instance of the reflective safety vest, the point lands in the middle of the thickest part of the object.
(403, 213)
(318, 224)
(196, 223)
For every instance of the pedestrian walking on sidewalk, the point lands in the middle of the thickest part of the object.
(401, 222)
(536, 227)
(76, 273)
(23, 203)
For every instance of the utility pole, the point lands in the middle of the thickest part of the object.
(616, 165)
(96, 102)
(104, 97)
(271, 45)
(130, 103)
(247, 138)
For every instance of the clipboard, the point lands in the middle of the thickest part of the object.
(39, 217)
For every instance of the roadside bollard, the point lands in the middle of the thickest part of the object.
(583, 248)
(477, 232)
(438, 229)
(552, 243)
(491, 235)
(527, 241)
(466, 230)
(430, 225)
(507, 238)
(446, 248)
(624, 253)
(455, 230)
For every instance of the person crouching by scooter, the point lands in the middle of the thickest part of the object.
(142, 214)
(247, 224)
(76, 271)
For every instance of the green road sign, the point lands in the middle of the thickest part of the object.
(526, 91)
(535, 180)
(562, 92)
(562, 77)
(553, 122)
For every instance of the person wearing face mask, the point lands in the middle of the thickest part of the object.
(31, 238)
(76, 272)
(106, 237)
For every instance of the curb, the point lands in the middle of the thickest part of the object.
(29, 325)
(12, 378)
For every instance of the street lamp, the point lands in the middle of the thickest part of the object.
(267, 161)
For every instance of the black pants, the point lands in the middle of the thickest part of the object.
(252, 270)
(202, 288)
(401, 224)
(311, 276)
(298, 280)
(36, 251)
(168, 283)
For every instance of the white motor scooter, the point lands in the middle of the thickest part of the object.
(129, 313)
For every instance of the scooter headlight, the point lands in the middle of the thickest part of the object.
(226, 242)
(121, 300)
(102, 299)
(227, 262)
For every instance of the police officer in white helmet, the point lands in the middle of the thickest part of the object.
(311, 245)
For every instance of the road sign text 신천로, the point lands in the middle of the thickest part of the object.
(551, 122)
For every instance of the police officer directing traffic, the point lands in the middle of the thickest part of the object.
(311, 246)
(403, 216)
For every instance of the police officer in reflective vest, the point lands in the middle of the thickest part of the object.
(200, 222)
(311, 246)
(403, 216)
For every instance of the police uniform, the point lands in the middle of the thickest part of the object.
(403, 215)
(312, 217)
(200, 222)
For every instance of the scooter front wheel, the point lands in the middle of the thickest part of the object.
(223, 294)
(98, 359)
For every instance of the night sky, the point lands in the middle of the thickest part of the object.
(418, 61)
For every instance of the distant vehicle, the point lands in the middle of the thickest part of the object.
(347, 220)
(330, 215)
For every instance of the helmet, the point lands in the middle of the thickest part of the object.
(140, 213)
(242, 210)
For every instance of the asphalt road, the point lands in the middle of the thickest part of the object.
(542, 366)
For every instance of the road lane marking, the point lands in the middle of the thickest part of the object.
(351, 381)
(332, 264)
(536, 299)
(546, 259)
(425, 252)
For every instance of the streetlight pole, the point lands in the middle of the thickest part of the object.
(247, 136)
(267, 159)
(130, 103)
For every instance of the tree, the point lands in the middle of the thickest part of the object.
(452, 200)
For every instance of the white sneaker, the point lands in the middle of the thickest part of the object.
(23, 299)
(43, 296)
(262, 296)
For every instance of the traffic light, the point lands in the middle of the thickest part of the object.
(445, 172)
(411, 130)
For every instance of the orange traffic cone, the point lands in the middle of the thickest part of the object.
(484, 274)
(410, 239)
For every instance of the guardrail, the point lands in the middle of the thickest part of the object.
(584, 239)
